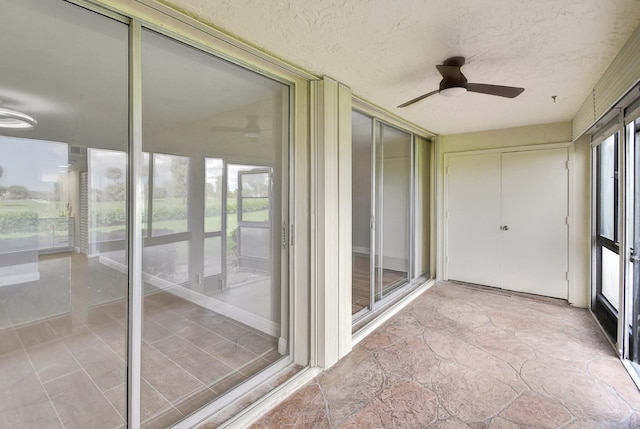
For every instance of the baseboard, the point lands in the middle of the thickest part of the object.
(361, 250)
(247, 318)
(8, 280)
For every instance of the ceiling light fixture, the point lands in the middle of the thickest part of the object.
(10, 118)
(453, 90)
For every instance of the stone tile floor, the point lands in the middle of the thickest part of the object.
(465, 357)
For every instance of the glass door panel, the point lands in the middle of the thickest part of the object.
(422, 208)
(606, 301)
(393, 208)
(213, 223)
(362, 194)
(63, 217)
(217, 139)
(254, 228)
(633, 138)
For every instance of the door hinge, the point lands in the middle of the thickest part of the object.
(566, 163)
(566, 275)
(566, 220)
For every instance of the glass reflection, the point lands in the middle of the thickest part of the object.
(215, 136)
(63, 272)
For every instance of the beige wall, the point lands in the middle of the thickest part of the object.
(509, 137)
(579, 191)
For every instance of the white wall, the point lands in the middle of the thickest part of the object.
(579, 208)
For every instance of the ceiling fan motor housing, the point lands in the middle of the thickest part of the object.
(457, 82)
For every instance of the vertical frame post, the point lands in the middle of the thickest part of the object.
(134, 231)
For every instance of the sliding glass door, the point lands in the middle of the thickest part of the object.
(391, 212)
(209, 157)
(63, 217)
(633, 312)
(393, 209)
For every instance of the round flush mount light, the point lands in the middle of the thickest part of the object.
(453, 91)
(10, 118)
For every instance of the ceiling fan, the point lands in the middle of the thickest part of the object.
(251, 130)
(454, 82)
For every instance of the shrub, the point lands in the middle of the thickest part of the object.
(12, 222)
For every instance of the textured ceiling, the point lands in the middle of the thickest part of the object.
(386, 50)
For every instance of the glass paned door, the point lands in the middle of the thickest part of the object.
(214, 268)
(254, 226)
(422, 208)
(633, 139)
(393, 208)
(362, 229)
(63, 217)
(606, 304)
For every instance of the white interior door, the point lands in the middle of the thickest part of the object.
(472, 219)
(535, 208)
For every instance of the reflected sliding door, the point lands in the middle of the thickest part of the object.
(63, 217)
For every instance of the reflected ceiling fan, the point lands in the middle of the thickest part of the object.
(454, 82)
(251, 130)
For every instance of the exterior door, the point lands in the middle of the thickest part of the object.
(534, 208)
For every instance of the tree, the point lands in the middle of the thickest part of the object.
(18, 192)
(180, 171)
(114, 173)
(115, 192)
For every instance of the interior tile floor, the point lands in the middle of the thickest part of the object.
(62, 372)
(466, 357)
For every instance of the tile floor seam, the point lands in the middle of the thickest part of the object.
(180, 366)
(82, 368)
(158, 392)
(115, 352)
(35, 372)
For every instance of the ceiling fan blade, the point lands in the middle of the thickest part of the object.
(499, 90)
(422, 97)
(450, 72)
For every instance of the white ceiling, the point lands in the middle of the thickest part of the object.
(386, 50)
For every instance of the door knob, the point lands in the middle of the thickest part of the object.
(505, 227)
